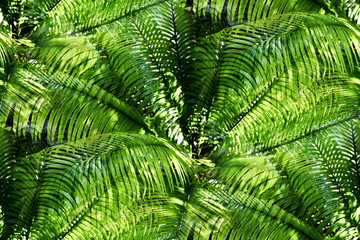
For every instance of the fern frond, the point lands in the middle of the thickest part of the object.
(73, 17)
(294, 183)
(345, 8)
(7, 163)
(87, 186)
(259, 69)
(48, 107)
(234, 12)
(6, 48)
(213, 213)
(334, 152)
(153, 54)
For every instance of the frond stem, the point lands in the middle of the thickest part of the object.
(118, 18)
(308, 134)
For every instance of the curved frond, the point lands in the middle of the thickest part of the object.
(344, 8)
(152, 54)
(173, 119)
(87, 186)
(212, 213)
(7, 162)
(233, 12)
(60, 106)
(289, 193)
(74, 16)
(335, 153)
(262, 73)
(6, 49)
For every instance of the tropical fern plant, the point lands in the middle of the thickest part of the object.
(165, 119)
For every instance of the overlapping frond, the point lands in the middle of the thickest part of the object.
(7, 162)
(334, 156)
(6, 49)
(233, 12)
(60, 106)
(103, 186)
(152, 54)
(214, 213)
(142, 59)
(344, 8)
(290, 196)
(116, 85)
(73, 16)
(276, 81)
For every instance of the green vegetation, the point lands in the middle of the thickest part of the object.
(164, 119)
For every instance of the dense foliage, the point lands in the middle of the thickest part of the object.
(165, 119)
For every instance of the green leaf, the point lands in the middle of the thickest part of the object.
(96, 181)
(47, 109)
(234, 12)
